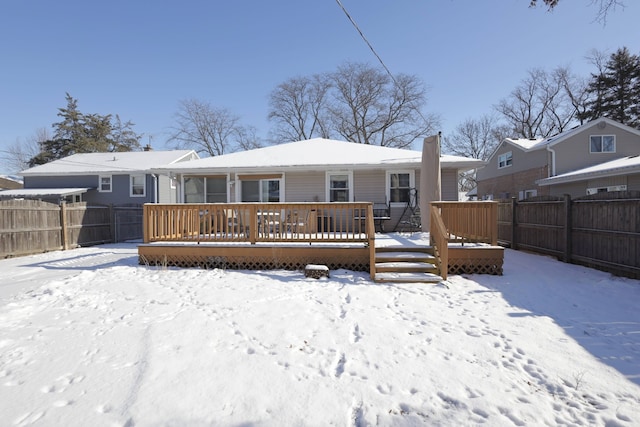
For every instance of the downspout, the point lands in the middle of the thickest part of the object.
(552, 172)
(155, 188)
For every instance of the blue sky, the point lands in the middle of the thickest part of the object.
(139, 59)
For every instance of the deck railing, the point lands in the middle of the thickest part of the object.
(439, 238)
(259, 222)
(473, 222)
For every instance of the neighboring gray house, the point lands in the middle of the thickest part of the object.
(315, 170)
(104, 178)
(572, 162)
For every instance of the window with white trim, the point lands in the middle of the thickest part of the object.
(200, 189)
(399, 185)
(104, 184)
(261, 190)
(339, 187)
(602, 144)
(137, 186)
(505, 160)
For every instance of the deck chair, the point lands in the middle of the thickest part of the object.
(298, 221)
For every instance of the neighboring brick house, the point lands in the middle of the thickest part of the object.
(525, 168)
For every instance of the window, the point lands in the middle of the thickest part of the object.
(104, 184)
(260, 190)
(527, 194)
(505, 160)
(399, 185)
(339, 187)
(216, 189)
(137, 186)
(602, 143)
(199, 189)
(596, 190)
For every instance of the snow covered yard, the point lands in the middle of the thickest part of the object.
(88, 337)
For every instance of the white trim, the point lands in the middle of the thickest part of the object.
(144, 185)
(412, 184)
(602, 136)
(100, 177)
(508, 159)
(329, 174)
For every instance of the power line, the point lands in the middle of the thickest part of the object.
(366, 41)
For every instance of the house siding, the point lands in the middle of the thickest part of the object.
(511, 185)
(579, 189)
(305, 186)
(573, 153)
(166, 194)
(521, 162)
(120, 193)
(449, 184)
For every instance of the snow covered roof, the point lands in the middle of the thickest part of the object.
(524, 143)
(43, 192)
(318, 153)
(622, 166)
(537, 144)
(118, 162)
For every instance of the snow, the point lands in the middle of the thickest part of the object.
(89, 337)
(118, 162)
(319, 153)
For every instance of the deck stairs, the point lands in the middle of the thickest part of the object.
(413, 264)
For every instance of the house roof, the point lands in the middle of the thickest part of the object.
(113, 163)
(621, 166)
(543, 143)
(318, 153)
(44, 192)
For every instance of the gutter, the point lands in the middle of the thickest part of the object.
(552, 172)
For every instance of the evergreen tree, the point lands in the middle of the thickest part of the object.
(615, 91)
(85, 133)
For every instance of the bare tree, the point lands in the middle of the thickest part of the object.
(539, 107)
(20, 152)
(209, 130)
(358, 103)
(297, 106)
(604, 6)
(576, 91)
(369, 107)
(475, 139)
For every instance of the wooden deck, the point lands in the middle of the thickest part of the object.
(256, 236)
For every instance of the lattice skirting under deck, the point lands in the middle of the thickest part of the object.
(476, 260)
(295, 258)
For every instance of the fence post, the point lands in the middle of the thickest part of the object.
(567, 228)
(113, 227)
(514, 204)
(63, 225)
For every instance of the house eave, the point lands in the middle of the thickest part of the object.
(588, 175)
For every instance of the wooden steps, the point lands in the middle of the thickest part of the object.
(415, 264)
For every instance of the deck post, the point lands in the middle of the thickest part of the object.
(371, 235)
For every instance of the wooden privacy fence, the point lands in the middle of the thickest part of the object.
(33, 226)
(601, 231)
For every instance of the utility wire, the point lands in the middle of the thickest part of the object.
(366, 41)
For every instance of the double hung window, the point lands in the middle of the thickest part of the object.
(602, 144)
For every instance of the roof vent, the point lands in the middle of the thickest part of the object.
(602, 125)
